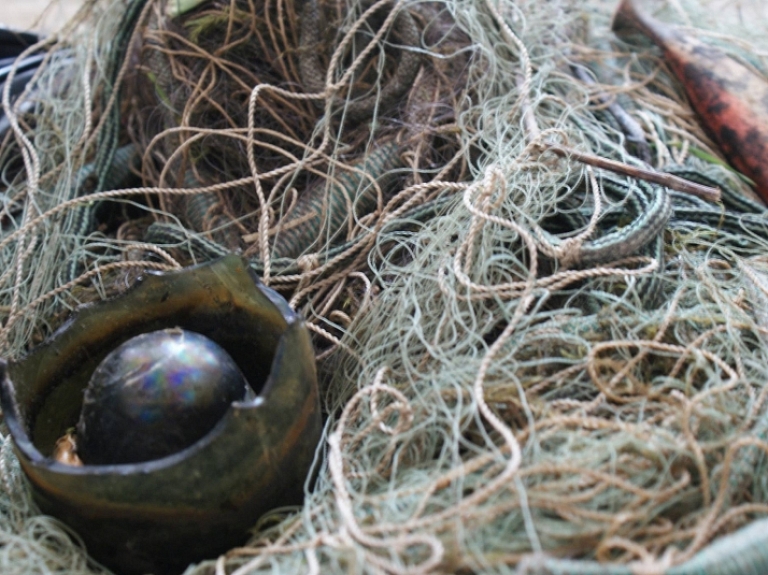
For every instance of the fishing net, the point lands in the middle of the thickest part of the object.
(528, 364)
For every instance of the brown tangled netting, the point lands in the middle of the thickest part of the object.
(499, 398)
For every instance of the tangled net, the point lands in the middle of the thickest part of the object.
(508, 386)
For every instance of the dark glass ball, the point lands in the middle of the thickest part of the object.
(154, 395)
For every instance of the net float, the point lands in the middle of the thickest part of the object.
(100, 416)
(154, 395)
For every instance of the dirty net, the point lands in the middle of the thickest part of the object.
(527, 364)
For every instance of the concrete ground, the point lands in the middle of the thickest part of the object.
(38, 15)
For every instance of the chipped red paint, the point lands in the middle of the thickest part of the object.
(730, 100)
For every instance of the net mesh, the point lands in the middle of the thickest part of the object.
(492, 400)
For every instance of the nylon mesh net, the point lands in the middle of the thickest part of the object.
(500, 390)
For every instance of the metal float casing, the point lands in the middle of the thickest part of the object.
(160, 515)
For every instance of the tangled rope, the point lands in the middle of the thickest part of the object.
(528, 365)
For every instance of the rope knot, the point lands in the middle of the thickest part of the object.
(568, 253)
(308, 263)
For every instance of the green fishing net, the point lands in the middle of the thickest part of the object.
(508, 384)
